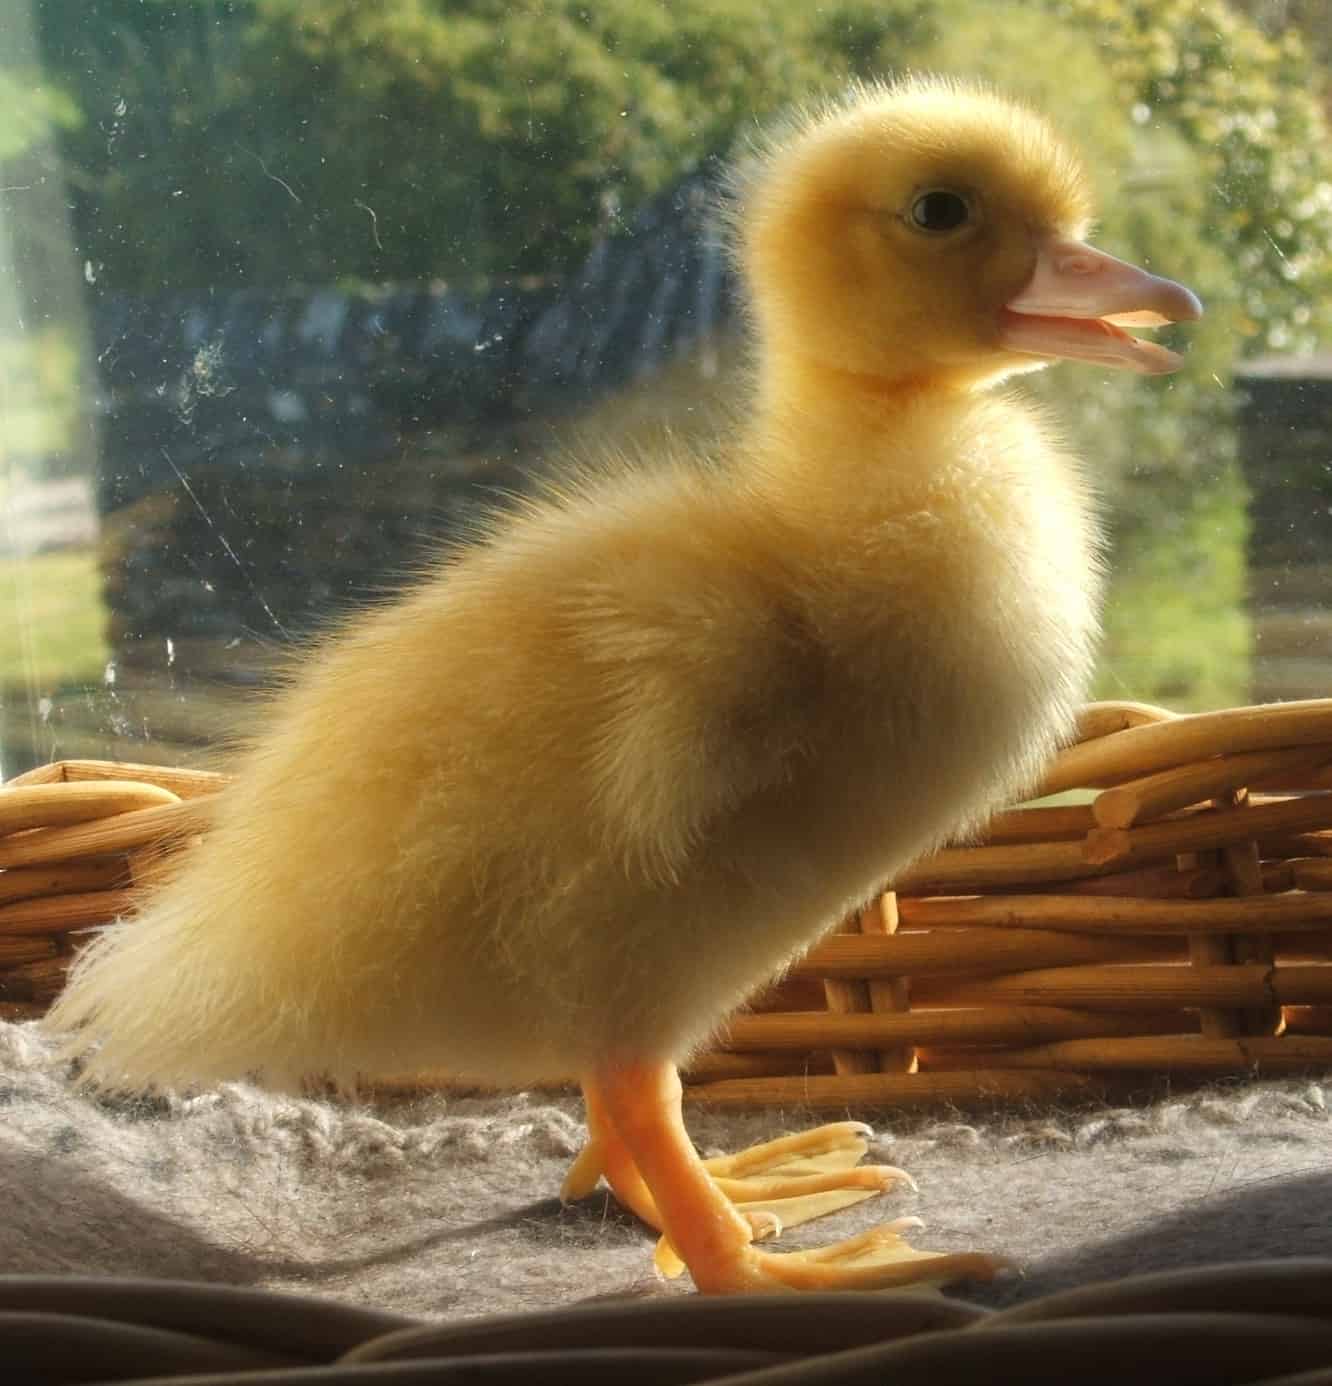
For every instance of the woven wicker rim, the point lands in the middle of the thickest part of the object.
(1178, 924)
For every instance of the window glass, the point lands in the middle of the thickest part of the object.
(291, 289)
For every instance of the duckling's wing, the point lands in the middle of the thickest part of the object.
(713, 704)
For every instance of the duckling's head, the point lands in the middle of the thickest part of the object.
(931, 233)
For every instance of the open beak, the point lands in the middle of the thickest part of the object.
(1078, 301)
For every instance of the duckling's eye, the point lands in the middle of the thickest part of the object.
(939, 210)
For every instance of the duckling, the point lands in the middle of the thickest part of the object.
(558, 810)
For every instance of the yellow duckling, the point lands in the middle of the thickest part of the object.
(561, 808)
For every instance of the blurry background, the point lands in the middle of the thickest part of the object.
(289, 287)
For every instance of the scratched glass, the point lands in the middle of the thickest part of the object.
(290, 290)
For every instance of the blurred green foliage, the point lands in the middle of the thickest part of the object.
(269, 140)
(265, 142)
(60, 641)
(33, 109)
(41, 382)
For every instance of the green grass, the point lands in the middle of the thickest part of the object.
(1166, 646)
(41, 374)
(51, 622)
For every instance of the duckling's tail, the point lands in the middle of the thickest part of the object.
(168, 998)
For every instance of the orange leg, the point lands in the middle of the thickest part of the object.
(605, 1155)
(643, 1104)
(640, 1103)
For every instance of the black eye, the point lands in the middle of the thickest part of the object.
(940, 210)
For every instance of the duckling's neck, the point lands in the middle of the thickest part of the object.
(813, 421)
(809, 387)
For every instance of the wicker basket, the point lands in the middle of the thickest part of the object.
(1177, 920)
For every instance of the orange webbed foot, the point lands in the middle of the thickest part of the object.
(795, 1179)
(774, 1185)
(797, 1171)
(638, 1115)
(879, 1259)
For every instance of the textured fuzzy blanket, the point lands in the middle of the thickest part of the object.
(447, 1207)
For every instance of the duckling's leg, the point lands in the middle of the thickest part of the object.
(641, 1102)
(605, 1154)
(780, 1183)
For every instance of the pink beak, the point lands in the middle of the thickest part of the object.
(1077, 302)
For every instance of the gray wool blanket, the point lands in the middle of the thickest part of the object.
(447, 1207)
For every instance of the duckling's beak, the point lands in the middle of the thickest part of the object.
(1079, 299)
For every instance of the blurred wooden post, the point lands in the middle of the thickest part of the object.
(883, 994)
(1210, 950)
(843, 997)
(1242, 864)
(889, 993)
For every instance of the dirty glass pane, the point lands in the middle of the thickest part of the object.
(291, 289)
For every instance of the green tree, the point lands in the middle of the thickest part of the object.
(487, 137)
